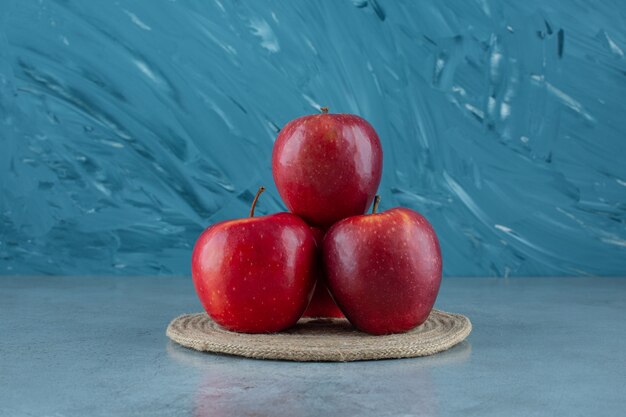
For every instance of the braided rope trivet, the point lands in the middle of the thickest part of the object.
(321, 339)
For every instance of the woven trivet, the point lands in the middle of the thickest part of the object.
(322, 339)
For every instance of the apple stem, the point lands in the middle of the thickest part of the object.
(324, 109)
(376, 201)
(256, 198)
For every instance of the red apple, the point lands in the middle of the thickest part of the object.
(322, 304)
(255, 275)
(327, 166)
(384, 269)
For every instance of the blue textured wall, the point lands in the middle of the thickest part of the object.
(127, 127)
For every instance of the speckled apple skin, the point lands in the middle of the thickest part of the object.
(327, 166)
(255, 275)
(384, 270)
(322, 303)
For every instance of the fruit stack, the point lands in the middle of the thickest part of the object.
(325, 258)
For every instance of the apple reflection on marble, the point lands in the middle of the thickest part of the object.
(234, 386)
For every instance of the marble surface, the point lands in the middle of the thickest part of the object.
(71, 346)
(127, 127)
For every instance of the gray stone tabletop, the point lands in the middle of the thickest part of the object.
(76, 346)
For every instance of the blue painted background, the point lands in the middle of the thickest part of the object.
(127, 127)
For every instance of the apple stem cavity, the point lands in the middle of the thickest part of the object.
(376, 202)
(324, 110)
(256, 198)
